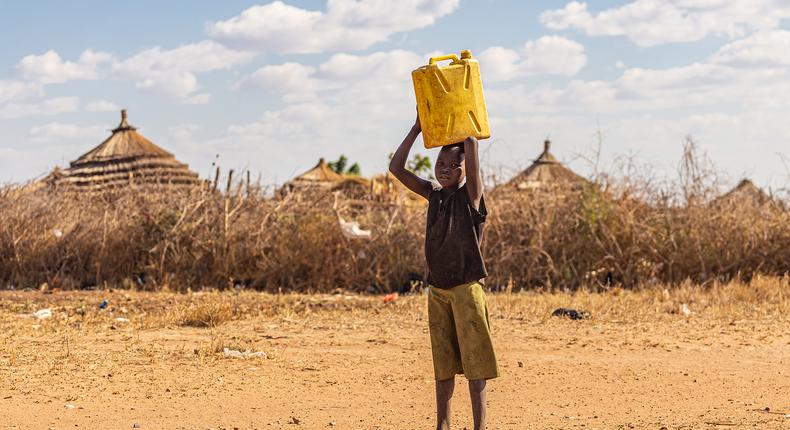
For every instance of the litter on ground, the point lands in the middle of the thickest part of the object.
(570, 313)
(390, 297)
(43, 314)
(351, 229)
(234, 353)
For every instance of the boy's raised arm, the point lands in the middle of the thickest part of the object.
(474, 182)
(398, 164)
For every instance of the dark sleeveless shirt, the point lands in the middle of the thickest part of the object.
(454, 231)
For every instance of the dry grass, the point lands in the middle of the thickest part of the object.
(204, 314)
(628, 233)
(184, 241)
(764, 298)
(598, 239)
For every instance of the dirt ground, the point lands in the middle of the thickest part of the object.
(718, 359)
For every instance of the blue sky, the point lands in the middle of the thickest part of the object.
(270, 87)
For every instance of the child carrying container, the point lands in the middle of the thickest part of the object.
(457, 312)
(450, 101)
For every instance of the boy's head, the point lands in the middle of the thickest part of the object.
(450, 168)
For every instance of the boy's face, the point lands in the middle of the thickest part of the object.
(450, 169)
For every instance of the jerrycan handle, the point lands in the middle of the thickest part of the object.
(453, 57)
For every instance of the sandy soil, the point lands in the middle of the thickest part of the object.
(352, 362)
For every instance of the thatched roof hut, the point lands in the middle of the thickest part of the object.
(123, 159)
(320, 177)
(546, 172)
(744, 193)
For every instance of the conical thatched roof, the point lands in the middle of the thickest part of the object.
(125, 158)
(319, 177)
(744, 193)
(546, 172)
(320, 174)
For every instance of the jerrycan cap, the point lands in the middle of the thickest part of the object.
(465, 55)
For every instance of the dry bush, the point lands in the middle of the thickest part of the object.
(198, 238)
(204, 314)
(626, 233)
(592, 238)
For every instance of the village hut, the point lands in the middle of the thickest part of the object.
(126, 158)
(745, 193)
(319, 178)
(545, 173)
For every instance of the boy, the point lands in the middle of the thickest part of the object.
(457, 312)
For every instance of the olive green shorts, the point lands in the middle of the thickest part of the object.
(461, 333)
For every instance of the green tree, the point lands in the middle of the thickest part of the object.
(420, 164)
(339, 166)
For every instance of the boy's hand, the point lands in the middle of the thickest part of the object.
(417, 126)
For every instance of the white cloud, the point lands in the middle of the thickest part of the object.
(17, 90)
(56, 131)
(293, 79)
(101, 106)
(203, 56)
(173, 83)
(548, 55)
(183, 132)
(172, 72)
(576, 96)
(380, 66)
(656, 22)
(297, 121)
(52, 106)
(345, 25)
(18, 99)
(767, 49)
(730, 76)
(750, 71)
(49, 68)
(364, 77)
(198, 99)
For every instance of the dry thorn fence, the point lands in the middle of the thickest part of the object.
(191, 239)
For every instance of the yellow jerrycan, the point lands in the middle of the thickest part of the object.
(450, 100)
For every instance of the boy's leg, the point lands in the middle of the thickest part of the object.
(444, 349)
(474, 332)
(475, 344)
(477, 391)
(444, 394)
